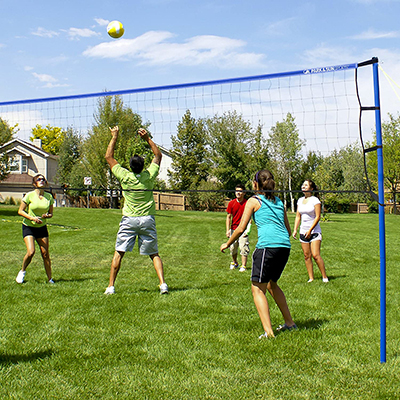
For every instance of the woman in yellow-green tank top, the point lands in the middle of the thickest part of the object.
(36, 208)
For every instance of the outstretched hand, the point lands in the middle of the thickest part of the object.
(143, 133)
(114, 131)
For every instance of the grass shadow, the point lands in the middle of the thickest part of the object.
(334, 277)
(311, 324)
(22, 358)
(8, 213)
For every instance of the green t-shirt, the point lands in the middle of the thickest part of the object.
(37, 207)
(138, 203)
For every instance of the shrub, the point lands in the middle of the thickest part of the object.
(373, 207)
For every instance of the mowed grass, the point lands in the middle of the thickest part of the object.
(70, 341)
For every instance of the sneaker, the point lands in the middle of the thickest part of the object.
(20, 277)
(284, 327)
(242, 268)
(234, 265)
(325, 280)
(51, 281)
(163, 288)
(310, 280)
(110, 290)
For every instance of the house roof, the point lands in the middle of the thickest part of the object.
(30, 146)
(17, 179)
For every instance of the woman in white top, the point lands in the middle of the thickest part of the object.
(309, 214)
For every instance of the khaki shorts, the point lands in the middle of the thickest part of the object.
(242, 243)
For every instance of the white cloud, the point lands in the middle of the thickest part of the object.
(42, 32)
(102, 22)
(155, 48)
(372, 34)
(28, 68)
(77, 33)
(50, 81)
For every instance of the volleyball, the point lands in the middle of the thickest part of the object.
(115, 29)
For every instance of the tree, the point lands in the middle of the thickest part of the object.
(342, 170)
(111, 112)
(237, 150)
(190, 161)
(285, 151)
(51, 137)
(7, 133)
(69, 156)
(391, 157)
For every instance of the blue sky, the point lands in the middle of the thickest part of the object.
(56, 48)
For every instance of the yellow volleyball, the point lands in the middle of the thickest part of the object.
(115, 29)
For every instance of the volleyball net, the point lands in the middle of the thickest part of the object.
(326, 104)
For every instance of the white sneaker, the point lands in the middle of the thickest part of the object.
(110, 290)
(51, 281)
(163, 288)
(233, 265)
(20, 277)
(325, 280)
(242, 268)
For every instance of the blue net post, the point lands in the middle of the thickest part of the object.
(381, 196)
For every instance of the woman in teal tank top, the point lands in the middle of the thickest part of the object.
(272, 250)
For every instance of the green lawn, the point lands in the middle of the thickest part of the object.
(70, 341)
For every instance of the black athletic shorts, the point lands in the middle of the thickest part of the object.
(37, 233)
(269, 263)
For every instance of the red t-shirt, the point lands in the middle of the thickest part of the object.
(236, 209)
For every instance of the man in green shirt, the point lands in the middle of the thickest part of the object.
(139, 208)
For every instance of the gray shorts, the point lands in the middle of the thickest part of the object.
(144, 228)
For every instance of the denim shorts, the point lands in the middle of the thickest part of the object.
(143, 228)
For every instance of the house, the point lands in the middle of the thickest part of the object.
(28, 160)
(166, 162)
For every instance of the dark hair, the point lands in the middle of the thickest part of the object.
(240, 186)
(266, 182)
(136, 163)
(313, 187)
(35, 178)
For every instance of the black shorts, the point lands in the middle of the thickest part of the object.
(37, 233)
(269, 263)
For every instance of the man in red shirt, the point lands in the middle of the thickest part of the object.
(235, 211)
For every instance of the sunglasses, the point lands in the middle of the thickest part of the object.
(40, 180)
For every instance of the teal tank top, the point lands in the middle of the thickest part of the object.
(270, 222)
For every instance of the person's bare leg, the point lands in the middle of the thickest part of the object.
(258, 290)
(280, 299)
(115, 266)
(30, 251)
(316, 254)
(158, 266)
(44, 250)
(308, 260)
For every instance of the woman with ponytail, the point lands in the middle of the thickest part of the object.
(272, 250)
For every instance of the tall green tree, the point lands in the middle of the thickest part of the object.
(343, 170)
(237, 149)
(111, 112)
(51, 137)
(285, 151)
(391, 157)
(190, 156)
(7, 133)
(69, 155)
